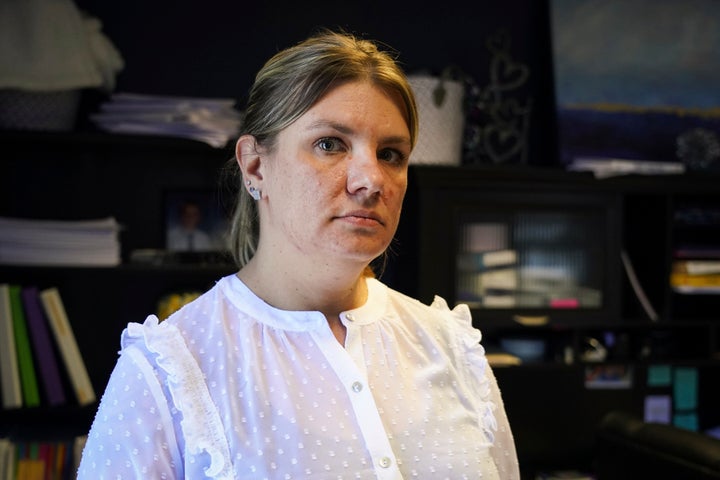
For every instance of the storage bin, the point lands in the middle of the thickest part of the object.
(45, 111)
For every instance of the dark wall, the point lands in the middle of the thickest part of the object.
(214, 48)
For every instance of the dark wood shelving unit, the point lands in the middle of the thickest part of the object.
(86, 175)
(92, 174)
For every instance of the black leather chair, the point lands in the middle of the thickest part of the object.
(628, 448)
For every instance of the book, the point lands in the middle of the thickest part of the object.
(695, 284)
(678, 279)
(475, 261)
(497, 279)
(9, 372)
(498, 300)
(75, 453)
(31, 469)
(696, 267)
(69, 351)
(61, 463)
(697, 251)
(26, 363)
(47, 364)
(7, 459)
(46, 453)
(40, 459)
(30, 464)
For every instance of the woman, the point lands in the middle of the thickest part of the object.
(303, 365)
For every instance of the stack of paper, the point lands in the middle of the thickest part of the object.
(213, 121)
(611, 167)
(59, 243)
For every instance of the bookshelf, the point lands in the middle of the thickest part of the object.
(599, 219)
(80, 176)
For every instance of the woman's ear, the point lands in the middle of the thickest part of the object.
(249, 159)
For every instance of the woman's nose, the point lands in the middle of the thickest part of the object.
(364, 173)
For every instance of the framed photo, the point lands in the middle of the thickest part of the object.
(609, 376)
(195, 222)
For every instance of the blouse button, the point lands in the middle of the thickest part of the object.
(385, 462)
(357, 387)
(350, 317)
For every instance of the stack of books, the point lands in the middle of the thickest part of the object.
(496, 279)
(209, 120)
(696, 276)
(59, 242)
(696, 266)
(488, 279)
(40, 459)
(39, 356)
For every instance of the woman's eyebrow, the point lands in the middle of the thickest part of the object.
(342, 128)
(320, 124)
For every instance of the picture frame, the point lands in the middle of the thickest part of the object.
(609, 376)
(632, 82)
(195, 223)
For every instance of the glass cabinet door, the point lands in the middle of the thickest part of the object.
(546, 258)
(544, 253)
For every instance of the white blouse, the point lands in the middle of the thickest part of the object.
(229, 387)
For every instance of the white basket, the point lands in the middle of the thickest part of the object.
(441, 122)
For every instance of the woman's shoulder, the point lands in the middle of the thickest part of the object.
(180, 326)
(436, 315)
(448, 329)
(437, 307)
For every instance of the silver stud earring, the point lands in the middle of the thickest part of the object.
(255, 193)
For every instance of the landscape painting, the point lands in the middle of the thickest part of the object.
(638, 79)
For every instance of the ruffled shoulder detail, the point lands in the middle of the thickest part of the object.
(201, 424)
(471, 353)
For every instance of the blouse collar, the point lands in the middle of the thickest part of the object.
(300, 320)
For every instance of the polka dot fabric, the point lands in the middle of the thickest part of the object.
(229, 387)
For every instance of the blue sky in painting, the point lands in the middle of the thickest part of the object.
(645, 53)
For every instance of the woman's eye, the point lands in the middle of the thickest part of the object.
(391, 155)
(328, 144)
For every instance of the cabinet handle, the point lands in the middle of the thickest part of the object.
(531, 321)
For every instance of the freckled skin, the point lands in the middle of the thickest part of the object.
(312, 195)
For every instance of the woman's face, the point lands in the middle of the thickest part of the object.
(333, 185)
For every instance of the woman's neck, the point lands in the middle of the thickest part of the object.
(286, 290)
(330, 291)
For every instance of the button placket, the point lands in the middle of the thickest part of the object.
(351, 367)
